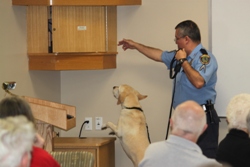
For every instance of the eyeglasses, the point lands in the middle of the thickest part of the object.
(177, 38)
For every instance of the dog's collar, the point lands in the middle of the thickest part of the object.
(131, 108)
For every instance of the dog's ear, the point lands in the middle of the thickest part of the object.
(121, 98)
(140, 97)
(118, 101)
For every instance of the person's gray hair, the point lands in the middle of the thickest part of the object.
(189, 117)
(16, 139)
(237, 110)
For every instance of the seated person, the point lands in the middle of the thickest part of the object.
(248, 121)
(16, 140)
(13, 106)
(188, 122)
(234, 149)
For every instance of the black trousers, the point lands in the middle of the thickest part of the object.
(208, 141)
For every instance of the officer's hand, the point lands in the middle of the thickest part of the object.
(126, 44)
(180, 54)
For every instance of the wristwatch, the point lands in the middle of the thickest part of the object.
(182, 60)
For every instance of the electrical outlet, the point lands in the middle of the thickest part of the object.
(88, 126)
(98, 123)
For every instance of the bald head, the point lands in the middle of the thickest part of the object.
(188, 118)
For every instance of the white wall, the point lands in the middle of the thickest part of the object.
(230, 44)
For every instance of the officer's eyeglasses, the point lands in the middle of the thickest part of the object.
(177, 38)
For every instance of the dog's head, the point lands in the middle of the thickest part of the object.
(123, 91)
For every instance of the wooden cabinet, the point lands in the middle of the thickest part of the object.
(72, 35)
(77, 2)
(80, 37)
(102, 148)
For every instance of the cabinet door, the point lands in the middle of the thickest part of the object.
(37, 29)
(79, 28)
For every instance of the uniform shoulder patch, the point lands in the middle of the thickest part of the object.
(205, 59)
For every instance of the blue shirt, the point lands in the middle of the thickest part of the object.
(184, 90)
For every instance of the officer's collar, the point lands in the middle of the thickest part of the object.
(195, 51)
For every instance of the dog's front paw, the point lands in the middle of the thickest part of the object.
(112, 133)
(104, 126)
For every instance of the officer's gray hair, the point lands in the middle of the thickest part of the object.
(190, 29)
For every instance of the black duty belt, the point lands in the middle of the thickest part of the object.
(207, 107)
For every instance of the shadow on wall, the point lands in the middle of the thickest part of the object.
(46, 85)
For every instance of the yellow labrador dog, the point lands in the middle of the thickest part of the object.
(131, 128)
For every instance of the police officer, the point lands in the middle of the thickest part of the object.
(195, 81)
